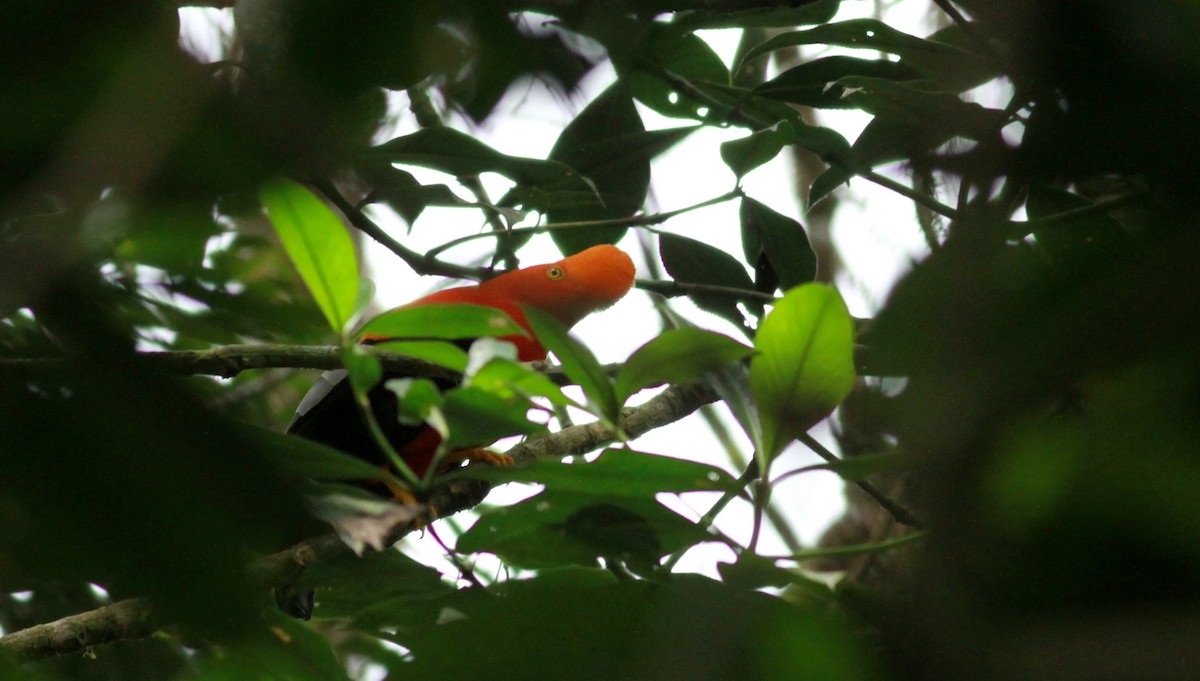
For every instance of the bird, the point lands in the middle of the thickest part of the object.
(568, 290)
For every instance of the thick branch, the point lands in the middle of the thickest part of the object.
(135, 618)
(230, 360)
(668, 407)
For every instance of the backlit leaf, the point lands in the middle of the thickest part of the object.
(805, 363)
(319, 246)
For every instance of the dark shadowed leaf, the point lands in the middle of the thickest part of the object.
(695, 262)
(608, 144)
(781, 240)
(950, 65)
(669, 55)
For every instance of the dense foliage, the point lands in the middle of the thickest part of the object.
(1025, 507)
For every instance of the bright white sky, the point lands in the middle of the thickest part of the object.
(875, 230)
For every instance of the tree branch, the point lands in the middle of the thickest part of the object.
(136, 618)
(230, 360)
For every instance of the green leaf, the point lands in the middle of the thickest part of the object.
(617, 473)
(694, 262)
(775, 240)
(746, 154)
(362, 368)
(577, 361)
(319, 246)
(459, 154)
(805, 364)
(674, 356)
(477, 417)
(443, 322)
(809, 83)
(440, 353)
(418, 399)
(506, 379)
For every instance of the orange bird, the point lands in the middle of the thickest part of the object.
(568, 290)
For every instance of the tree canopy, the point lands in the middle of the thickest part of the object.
(181, 237)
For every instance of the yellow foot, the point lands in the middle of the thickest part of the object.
(403, 496)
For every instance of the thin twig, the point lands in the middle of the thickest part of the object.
(898, 512)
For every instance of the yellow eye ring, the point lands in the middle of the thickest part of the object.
(555, 273)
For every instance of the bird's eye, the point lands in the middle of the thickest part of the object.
(555, 273)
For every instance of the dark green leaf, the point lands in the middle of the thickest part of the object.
(362, 368)
(301, 458)
(577, 361)
(554, 529)
(674, 356)
(454, 152)
(748, 153)
(668, 55)
(690, 261)
(724, 633)
(804, 366)
(810, 83)
(319, 246)
(781, 241)
(609, 145)
(347, 584)
(400, 190)
(444, 322)
(808, 13)
(952, 66)
(616, 473)
(826, 183)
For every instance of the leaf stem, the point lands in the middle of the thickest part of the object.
(898, 512)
